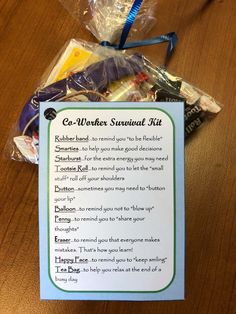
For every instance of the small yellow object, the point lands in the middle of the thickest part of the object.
(74, 59)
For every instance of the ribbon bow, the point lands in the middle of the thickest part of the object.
(171, 38)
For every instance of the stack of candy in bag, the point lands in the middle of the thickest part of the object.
(90, 72)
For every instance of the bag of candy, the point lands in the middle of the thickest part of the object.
(104, 72)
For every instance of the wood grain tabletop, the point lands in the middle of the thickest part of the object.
(31, 33)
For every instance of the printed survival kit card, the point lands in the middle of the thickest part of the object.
(111, 201)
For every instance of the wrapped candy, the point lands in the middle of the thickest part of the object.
(89, 72)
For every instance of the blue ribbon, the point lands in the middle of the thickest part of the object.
(129, 22)
(171, 38)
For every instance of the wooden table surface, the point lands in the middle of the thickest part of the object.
(32, 32)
